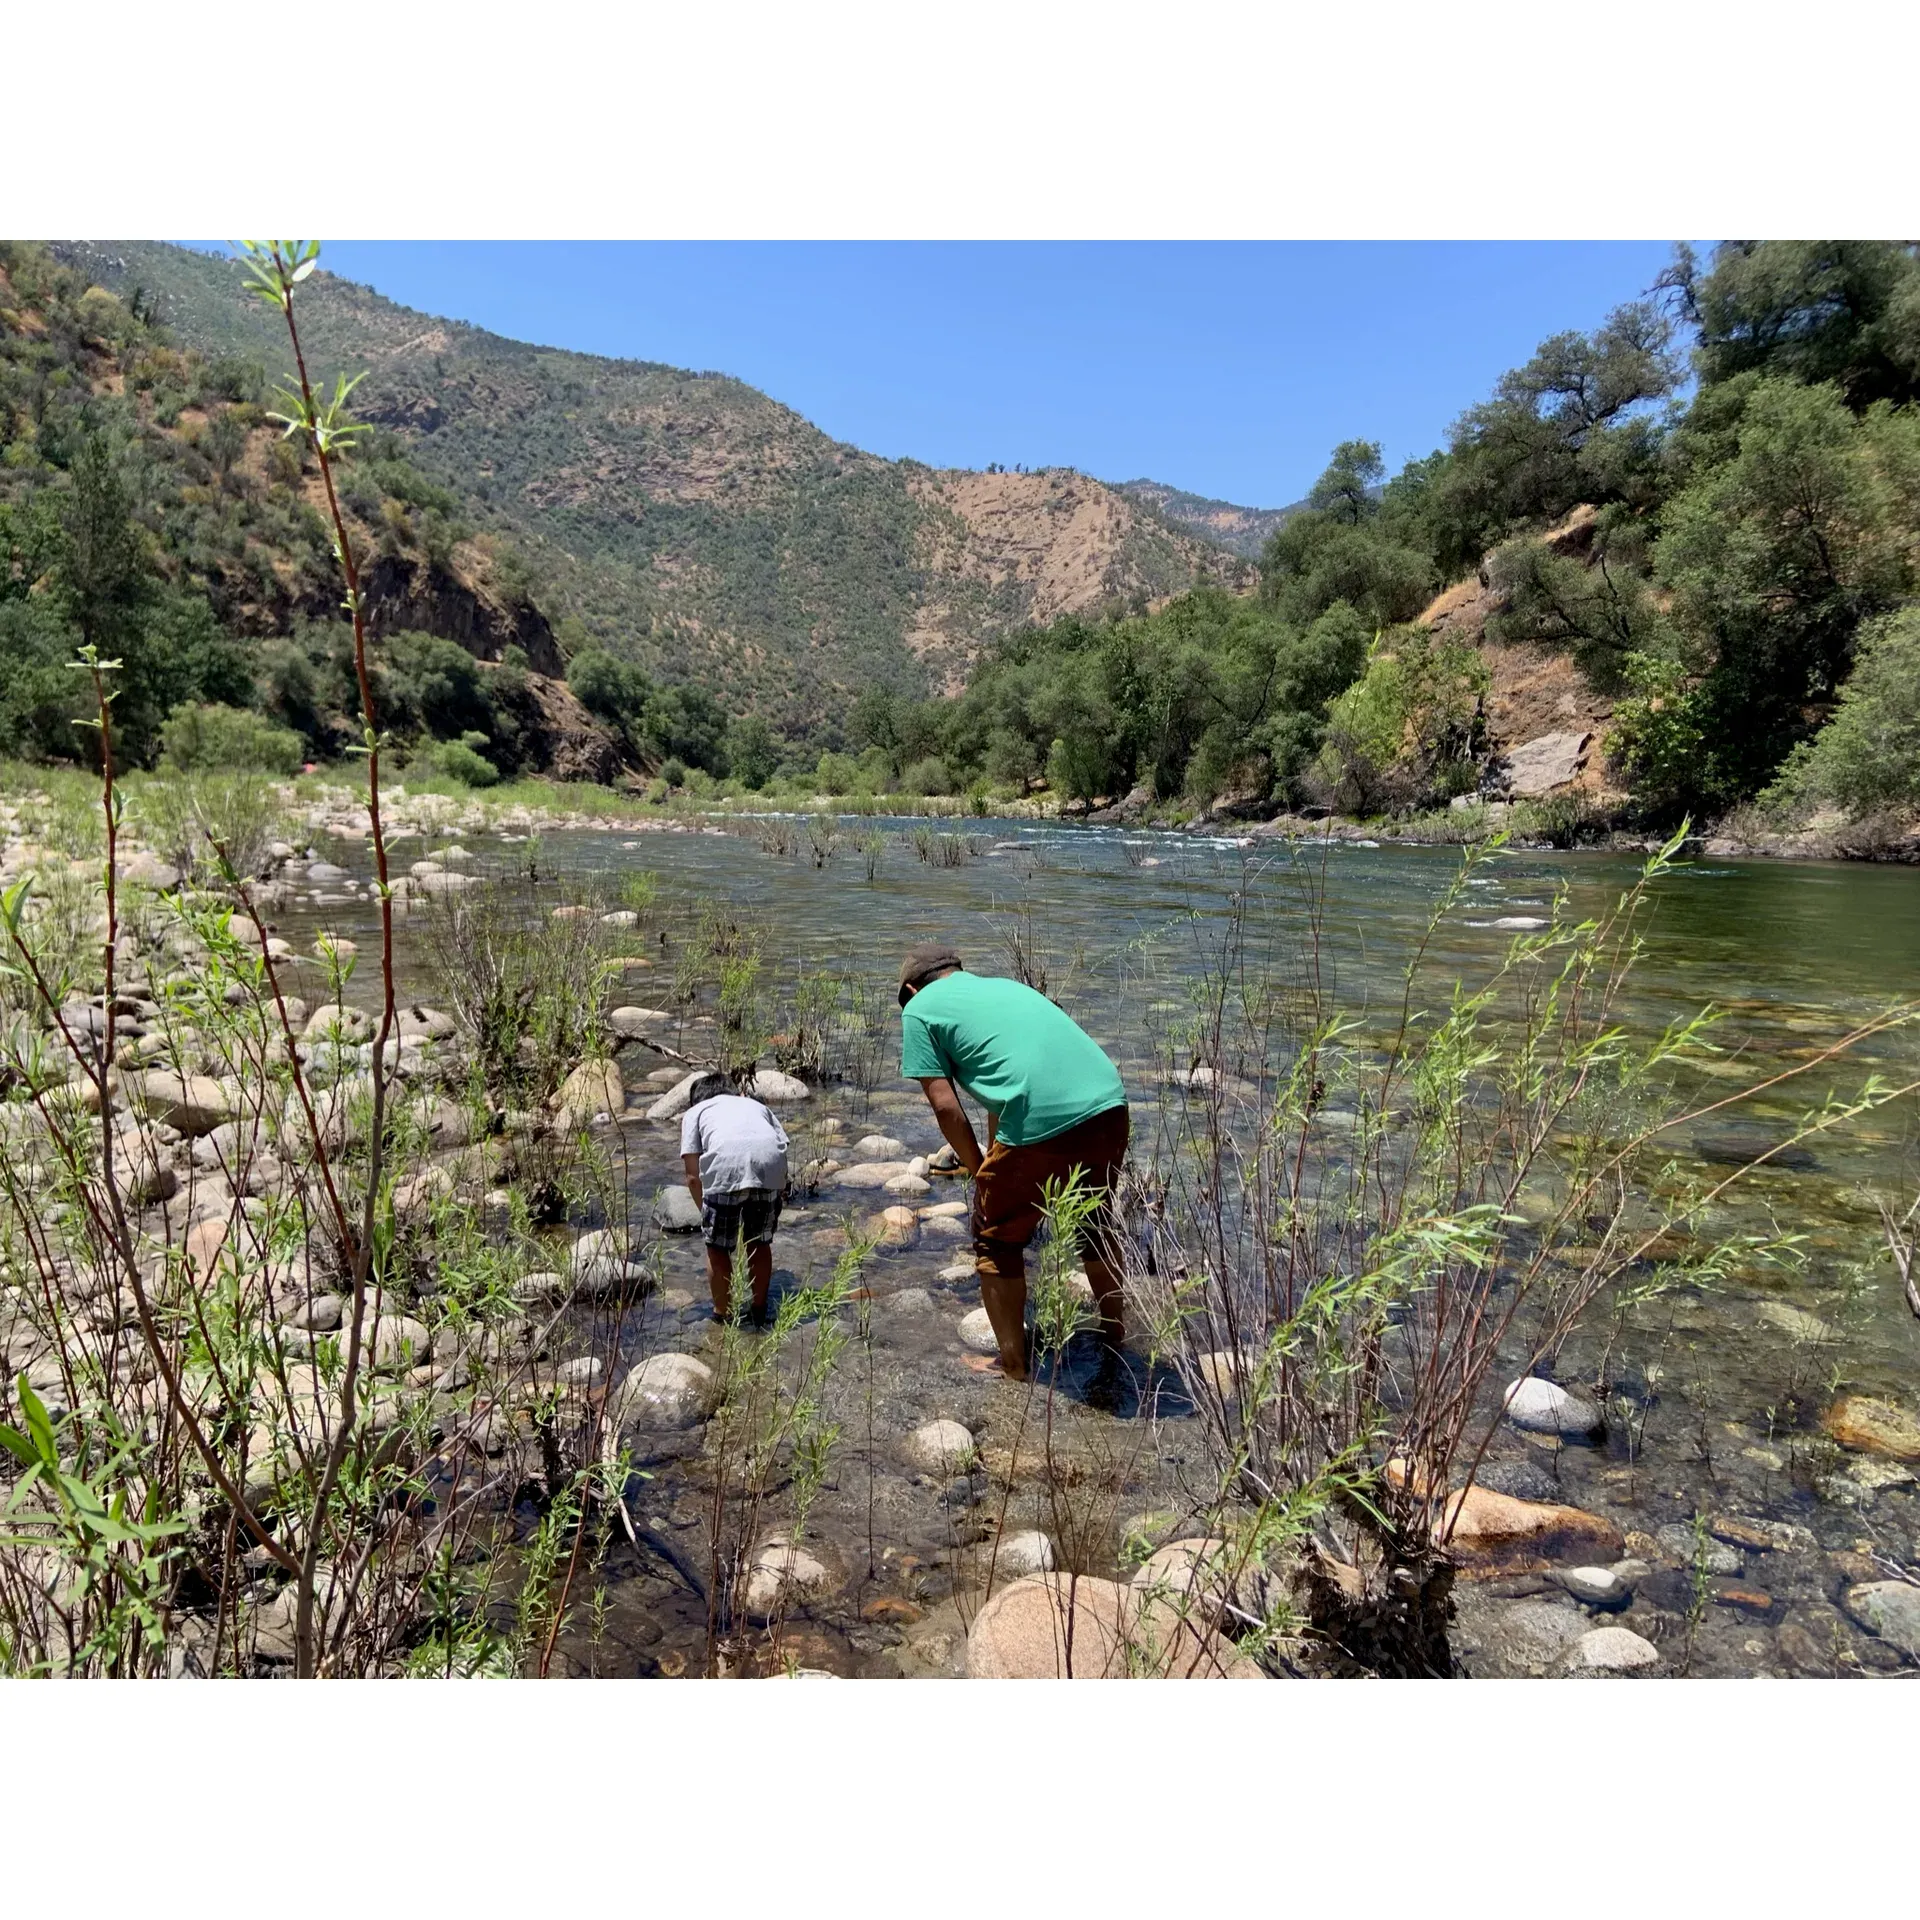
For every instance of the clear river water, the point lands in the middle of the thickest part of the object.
(1729, 1384)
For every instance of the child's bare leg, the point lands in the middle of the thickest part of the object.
(760, 1276)
(720, 1281)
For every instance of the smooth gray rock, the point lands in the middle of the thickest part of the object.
(1891, 1609)
(674, 1211)
(1615, 1650)
(674, 1102)
(1595, 1586)
(1543, 1406)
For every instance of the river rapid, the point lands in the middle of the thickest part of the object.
(1746, 1526)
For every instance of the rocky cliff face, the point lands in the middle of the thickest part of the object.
(1545, 721)
(459, 603)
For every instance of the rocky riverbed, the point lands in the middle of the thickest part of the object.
(1742, 1499)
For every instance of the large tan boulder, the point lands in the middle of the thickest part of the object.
(592, 1088)
(1055, 1626)
(1480, 1521)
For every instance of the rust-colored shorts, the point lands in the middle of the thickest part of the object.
(1009, 1189)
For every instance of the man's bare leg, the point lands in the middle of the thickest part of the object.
(1107, 1299)
(1005, 1298)
(760, 1277)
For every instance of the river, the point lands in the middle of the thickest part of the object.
(1728, 1385)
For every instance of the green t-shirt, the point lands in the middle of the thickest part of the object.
(1013, 1050)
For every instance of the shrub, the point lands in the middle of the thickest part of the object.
(1868, 754)
(459, 760)
(927, 776)
(837, 773)
(674, 773)
(211, 738)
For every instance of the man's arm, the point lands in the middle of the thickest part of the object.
(954, 1124)
(691, 1161)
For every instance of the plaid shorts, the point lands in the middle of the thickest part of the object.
(752, 1213)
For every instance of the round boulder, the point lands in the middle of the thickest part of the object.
(1541, 1406)
(941, 1446)
(666, 1391)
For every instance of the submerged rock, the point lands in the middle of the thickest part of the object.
(782, 1573)
(1615, 1650)
(879, 1146)
(1891, 1609)
(1518, 1638)
(1542, 1406)
(896, 1228)
(1679, 1542)
(1874, 1426)
(631, 1023)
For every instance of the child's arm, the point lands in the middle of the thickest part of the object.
(691, 1161)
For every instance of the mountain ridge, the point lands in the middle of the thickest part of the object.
(691, 522)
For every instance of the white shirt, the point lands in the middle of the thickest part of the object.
(740, 1144)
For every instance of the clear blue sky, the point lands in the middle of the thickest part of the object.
(1228, 369)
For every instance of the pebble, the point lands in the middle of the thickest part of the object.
(583, 1373)
(957, 1274)
(940, 1446)
(1542, 1406)
(976, 1331)
(1615, 1650)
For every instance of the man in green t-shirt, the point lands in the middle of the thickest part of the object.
(1054, 1103)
